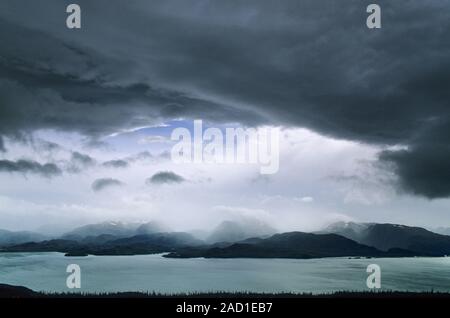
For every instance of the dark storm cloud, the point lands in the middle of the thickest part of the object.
(423, 168)
(64, 87)
(294, 63)
(116, 163)
(30, 166)
(2, 145)
(103, 183)
(83, 160)
(80, 162)
(165, 177)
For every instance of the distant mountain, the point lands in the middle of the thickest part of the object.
(388, 236)
(234, 239)
(115, 229)
(98, 240)
(151, 228)
(200, 234)
(352, 230)
(285, 245)
(54, 230)
(11, 238)
(233, 231)
(442, 230)
(55, 245)
(111, 245)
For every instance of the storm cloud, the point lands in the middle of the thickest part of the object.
(165, 177)
(423, 168)
(2, 145)
(290, 63)
(79, 162)
(119, 163)
(104, 183)
(82, 159)
(29, 166)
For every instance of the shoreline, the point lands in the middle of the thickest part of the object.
(164, 255)
(12, 291)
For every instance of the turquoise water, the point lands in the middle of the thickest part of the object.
(47, 272)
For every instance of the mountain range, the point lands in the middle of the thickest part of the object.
(387, 236)
(11, 238)
(233, 240)
(115, 229)
(285, 245)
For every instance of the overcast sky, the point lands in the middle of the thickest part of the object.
(86, 115)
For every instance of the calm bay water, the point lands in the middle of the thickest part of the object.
(47, 272)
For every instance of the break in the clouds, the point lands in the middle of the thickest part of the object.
(165, 177)
(25, 166)
(105, 183)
